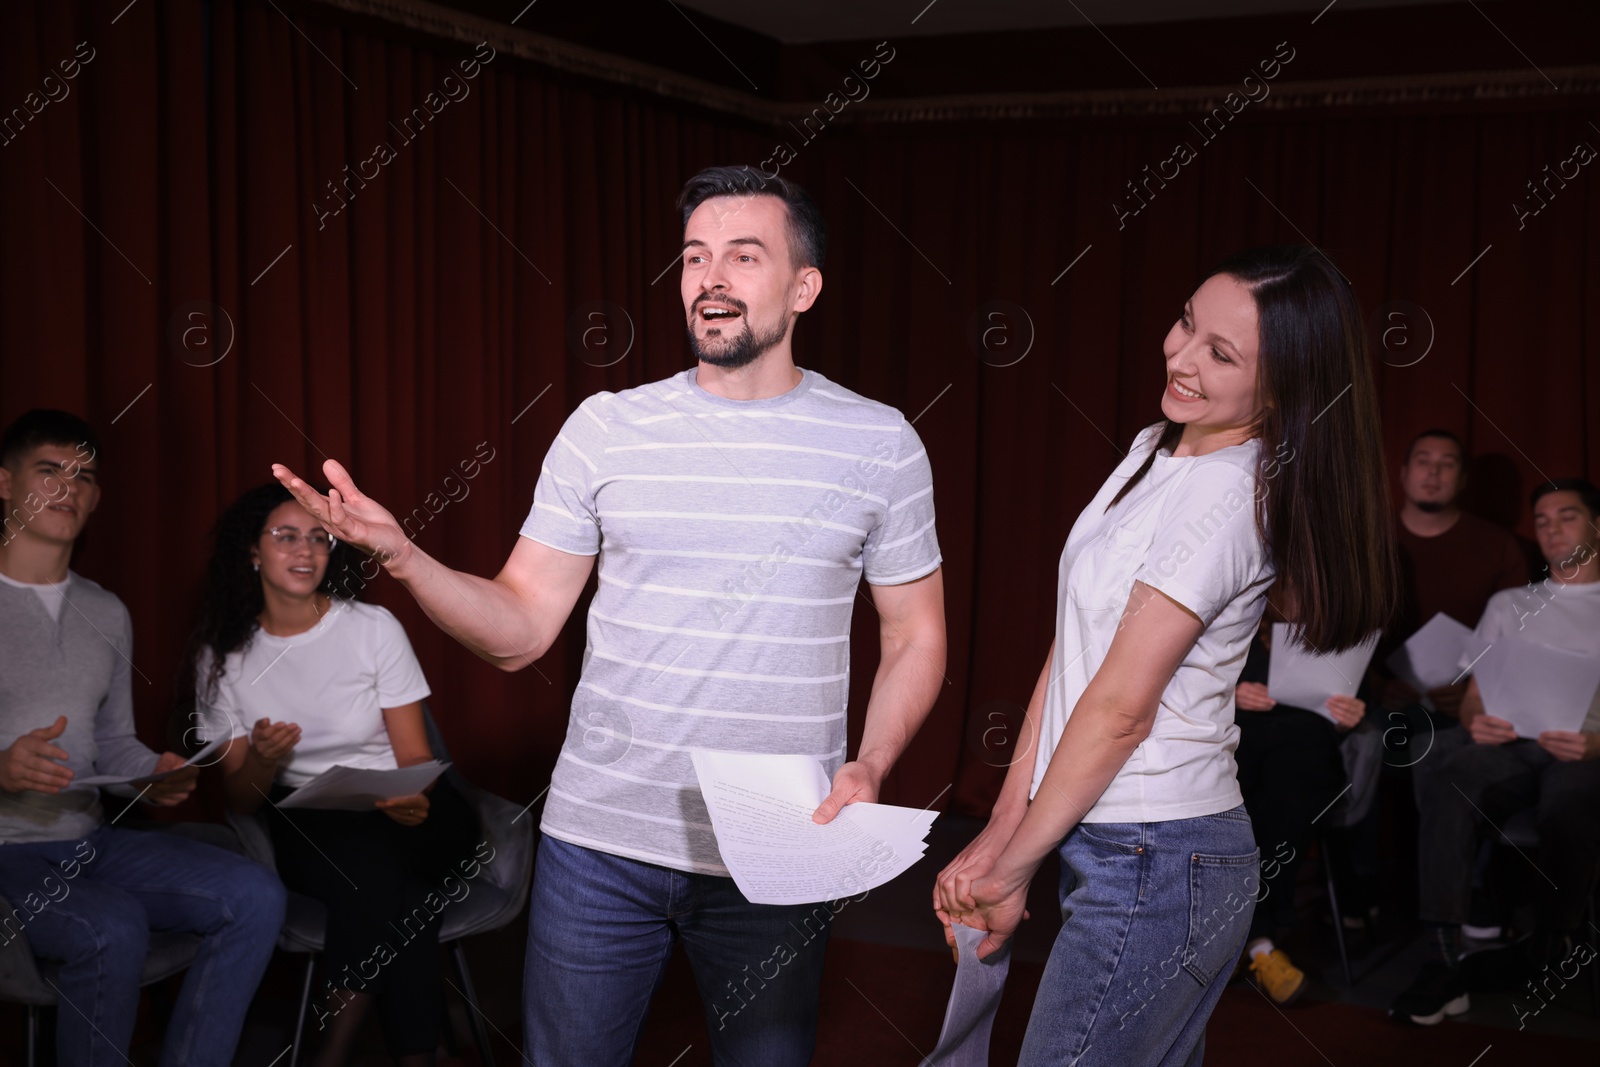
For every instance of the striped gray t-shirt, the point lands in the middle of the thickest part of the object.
(732, 538)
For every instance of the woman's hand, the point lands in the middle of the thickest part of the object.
(407, 811)
(957, 896)
(1001, 907)
(1252, 696)
(271, 741)
(952, 890)
(1347, 712)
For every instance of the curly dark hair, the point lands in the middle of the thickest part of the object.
(231, 598)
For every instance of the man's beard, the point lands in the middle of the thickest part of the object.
(743, 348)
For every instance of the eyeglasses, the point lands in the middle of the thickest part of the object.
(289, 538)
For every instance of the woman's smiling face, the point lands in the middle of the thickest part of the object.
(296, 570)
(1211, 353)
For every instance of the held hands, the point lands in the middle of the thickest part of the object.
(347, 513)
(1347, 712)
(175, 790)
(271, 741)
(32, 762)
(1252, 696)
(407, 811)
(1488, 730)
(854, 782)
(969, 892)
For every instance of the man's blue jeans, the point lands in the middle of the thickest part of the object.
(90, 904)
(601, 929)
(1154, 916)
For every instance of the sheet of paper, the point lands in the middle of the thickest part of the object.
(974, 1000)
(761, 807)
(1301, 679)
(112, 779)
(359, 788)
(1536, 688)
(1431, 657)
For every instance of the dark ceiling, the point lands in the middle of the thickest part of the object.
(796, 52)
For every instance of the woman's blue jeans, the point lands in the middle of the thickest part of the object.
(1154, 916)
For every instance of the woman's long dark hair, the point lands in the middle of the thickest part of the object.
(231, 598)
(1325, 510)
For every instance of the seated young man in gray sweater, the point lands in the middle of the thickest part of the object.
(87, 894)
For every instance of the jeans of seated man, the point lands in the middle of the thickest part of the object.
(87, 907)
(1487, 784)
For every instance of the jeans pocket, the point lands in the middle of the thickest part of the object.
(1222, 896)
(1125, 837)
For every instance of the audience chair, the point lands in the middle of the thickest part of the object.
(1362, 751)
(498, 894)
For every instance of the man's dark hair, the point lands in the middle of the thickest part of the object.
(1587, 493)
(47, 426)
(808, 237)
(1447, 435)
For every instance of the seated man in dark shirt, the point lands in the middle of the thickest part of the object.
(1451, 561)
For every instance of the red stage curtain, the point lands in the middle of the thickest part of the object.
(405, 323)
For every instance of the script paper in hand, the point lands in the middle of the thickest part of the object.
(1536, 688)
(1301, 679)
(359, 788)
(974, 1000)
(761, 808)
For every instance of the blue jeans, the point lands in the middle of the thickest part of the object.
(601, 929)
(1154, 916)
(90, 904)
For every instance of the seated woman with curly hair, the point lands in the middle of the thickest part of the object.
(284, 659)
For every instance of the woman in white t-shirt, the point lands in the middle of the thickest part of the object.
(1268, 462)
(304, 677)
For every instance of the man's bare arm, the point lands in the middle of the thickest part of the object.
(510, 620)
(912, 636)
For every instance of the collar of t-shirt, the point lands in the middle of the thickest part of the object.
(691, 380)
(51, 594)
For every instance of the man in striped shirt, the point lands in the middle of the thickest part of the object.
(734, 509)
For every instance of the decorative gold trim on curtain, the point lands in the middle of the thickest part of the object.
(1463, 87)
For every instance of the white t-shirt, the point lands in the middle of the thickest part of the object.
(334, 681)
(1562, 615)
(1187, 529)
(51, 594)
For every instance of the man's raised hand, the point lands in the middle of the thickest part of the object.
(347, 513)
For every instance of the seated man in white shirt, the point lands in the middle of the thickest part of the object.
(1484, 783)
